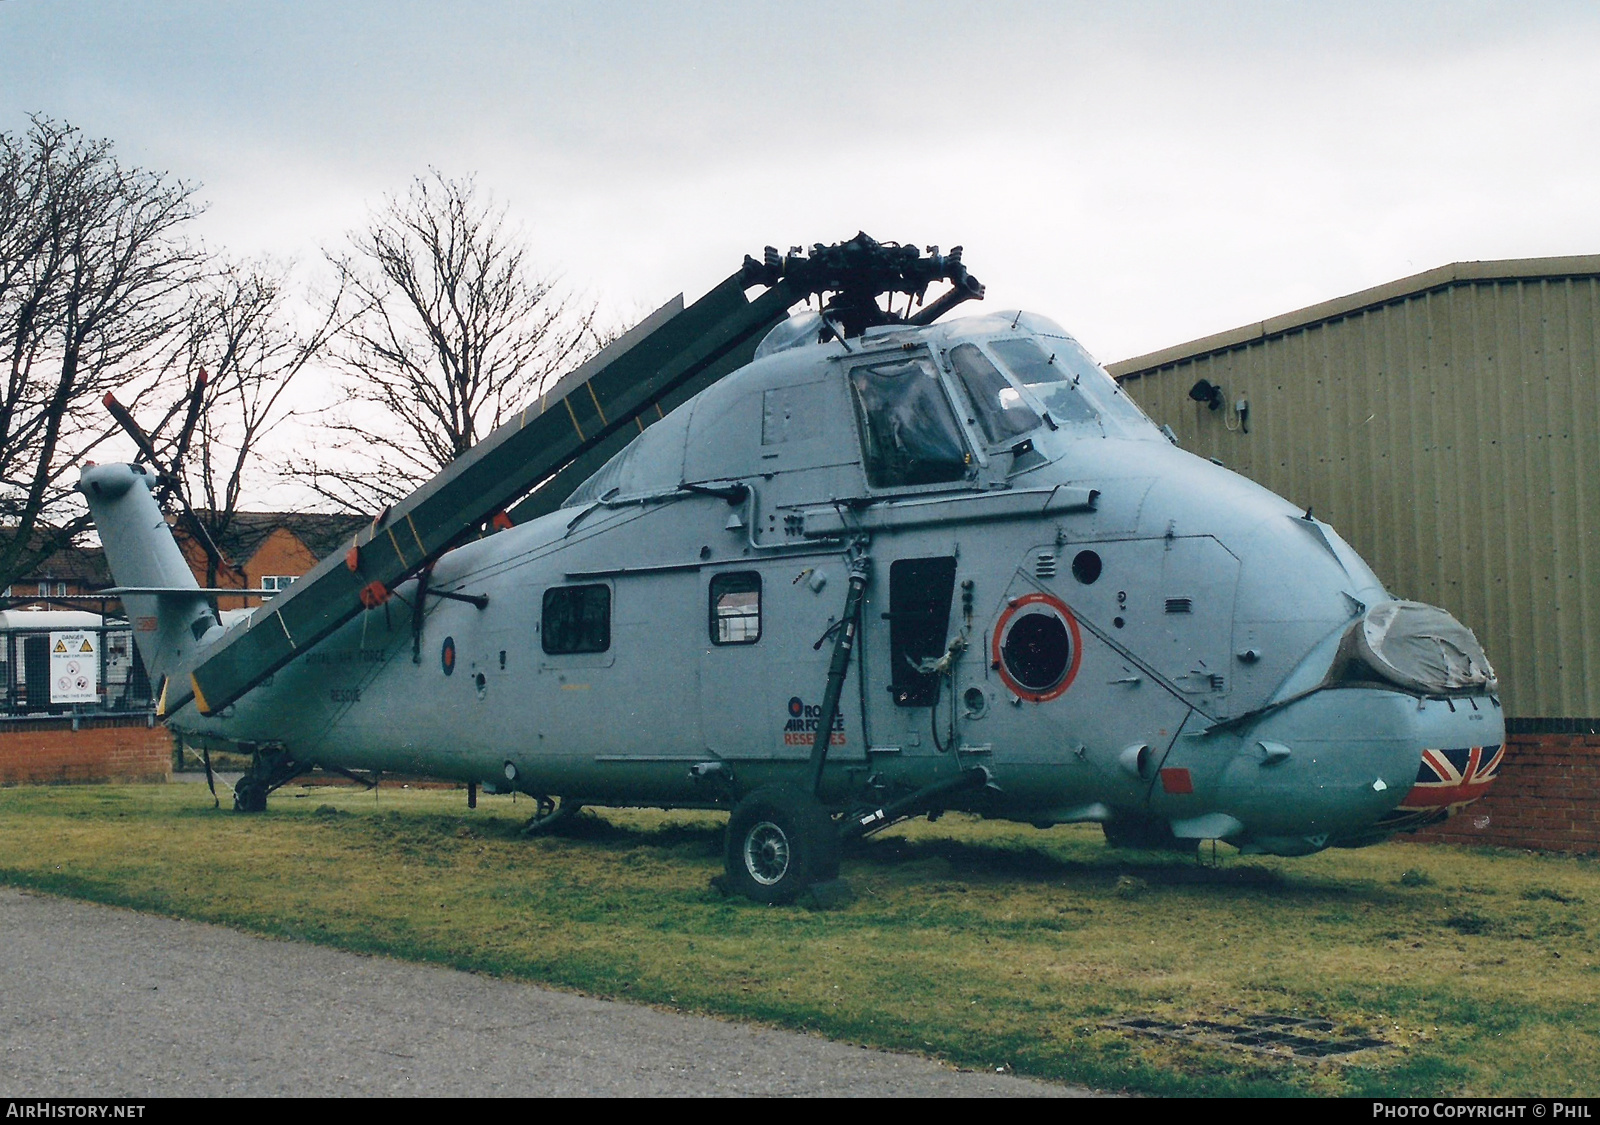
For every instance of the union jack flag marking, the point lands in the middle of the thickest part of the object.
(1447, 782)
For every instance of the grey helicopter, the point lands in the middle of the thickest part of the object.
(828, 566)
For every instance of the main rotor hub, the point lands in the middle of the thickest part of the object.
(861, 270)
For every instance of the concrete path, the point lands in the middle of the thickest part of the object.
(105, 1003)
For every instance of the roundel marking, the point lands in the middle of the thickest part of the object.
(1037, 647)
(796, 707)
(447, 655)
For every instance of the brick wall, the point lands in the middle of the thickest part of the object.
(1547, 796)
(49, 751)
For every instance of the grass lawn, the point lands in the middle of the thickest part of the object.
(986, 944)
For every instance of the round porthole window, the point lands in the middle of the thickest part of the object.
(1037, 647)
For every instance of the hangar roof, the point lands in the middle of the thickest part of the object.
(1457, 273)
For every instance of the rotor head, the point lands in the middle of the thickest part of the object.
(859, 271)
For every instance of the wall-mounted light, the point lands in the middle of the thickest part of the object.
(1207, 392)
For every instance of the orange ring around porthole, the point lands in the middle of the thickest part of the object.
(1044, 687)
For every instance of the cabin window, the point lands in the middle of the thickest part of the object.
(736, 608)
(1037, 650)
(576, 619)
(999, 406)
(909, 433)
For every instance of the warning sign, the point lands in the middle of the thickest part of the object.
(74, 667)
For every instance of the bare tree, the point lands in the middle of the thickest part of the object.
(452, 333)
(241, 334)
(94, 270)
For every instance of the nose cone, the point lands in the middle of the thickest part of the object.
(1339, 767)
(1361, 751)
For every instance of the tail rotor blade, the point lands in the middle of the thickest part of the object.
(191, 419)
(147, 451)
(169, 482)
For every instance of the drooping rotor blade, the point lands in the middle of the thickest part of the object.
(552, 493)
(147, 451)
(604, 396)
(967, 289)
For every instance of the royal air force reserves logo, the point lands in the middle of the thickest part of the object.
(800, 727)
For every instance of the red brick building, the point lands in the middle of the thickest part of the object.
(269, 550)
(261, 550)
(116, 738)
(72, 570)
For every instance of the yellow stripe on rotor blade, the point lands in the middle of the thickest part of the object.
(396, 543)
(573, 414)
(199, 697)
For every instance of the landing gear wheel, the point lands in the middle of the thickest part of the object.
(780, 841)
(250, 795)
(551, 813)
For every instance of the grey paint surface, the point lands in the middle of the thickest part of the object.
(108, 1003)
(1448, 424)
(1165, 611)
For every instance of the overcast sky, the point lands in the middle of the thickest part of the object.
(1143, 173)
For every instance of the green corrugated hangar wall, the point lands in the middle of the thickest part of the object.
(1448, 425)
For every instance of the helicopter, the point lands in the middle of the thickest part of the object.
(842, 566)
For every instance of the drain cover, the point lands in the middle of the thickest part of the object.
(1304, 1037)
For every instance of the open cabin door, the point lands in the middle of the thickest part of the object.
(913, 630)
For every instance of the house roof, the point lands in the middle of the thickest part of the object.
(85, 565)
(321, 532)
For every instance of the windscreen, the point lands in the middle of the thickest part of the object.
(909, 434)
(998, 405)
(1071, 386)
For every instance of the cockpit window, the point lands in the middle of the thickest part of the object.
(1070, 384)
(909, 434)
(1047, 377)
(999, 407)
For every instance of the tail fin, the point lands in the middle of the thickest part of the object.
(171, 626)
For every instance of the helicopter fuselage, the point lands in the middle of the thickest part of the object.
(1114, 629)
